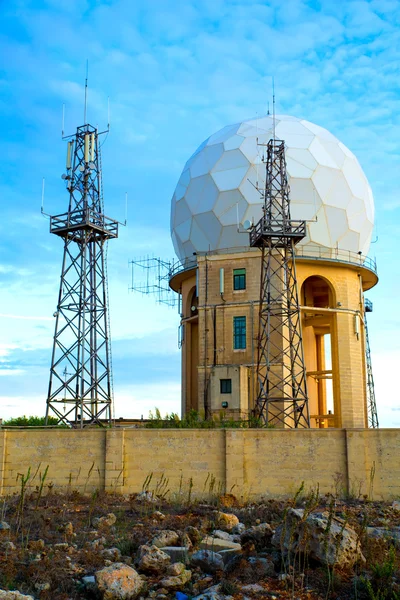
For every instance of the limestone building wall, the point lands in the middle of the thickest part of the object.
(249, 463)
(331, 298)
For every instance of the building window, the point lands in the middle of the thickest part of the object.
(225, 386)
(239, 279)
(239, 333)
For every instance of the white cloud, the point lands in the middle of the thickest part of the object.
(174, 78)
(11, 372)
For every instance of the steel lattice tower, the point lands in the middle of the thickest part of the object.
(282, 397)
(371, 402)
(80, 373)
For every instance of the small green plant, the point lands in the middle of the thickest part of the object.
(39, 488)
(127, 546)
(88, 477)
(21, 501)
(162, 490)
(228, 587)
(189, 498)
(380, 586)
(371, 481)
(330, 567)
(196, 420)
(33, 421)
(295, 549)
(93, 501)
(147, 482)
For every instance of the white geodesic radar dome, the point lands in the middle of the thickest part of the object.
(217, 189)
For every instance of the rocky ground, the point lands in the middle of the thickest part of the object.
(114, 547)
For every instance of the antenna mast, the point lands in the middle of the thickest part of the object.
(86, 89)
(273, 110)
(81, 370)
(282, 398)
(371, 401)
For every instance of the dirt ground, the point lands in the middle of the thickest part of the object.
(49, 542)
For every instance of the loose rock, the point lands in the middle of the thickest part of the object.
(166, 537)
(391, 535)
(222, 535)
(238, 529)
(152, 559)
(119, 582)
(5, 595)
(42, 587)
(113, 554)
(177, 553)
(146, 497)
(216, 544)
(329, 543)
(178, 577)
(227, 521)
(158, 515)
(259, 535)
(213, 593)
(99, 543)
(8, 546)
(250, 569)
(194, 534)
(252, 588)
(208, 561)
(89, 581)
(106, 521)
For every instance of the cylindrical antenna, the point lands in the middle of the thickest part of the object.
(92, 147)
(258, 151)
(126, 207)
(63, 120)
(221, 282)
(86, 147)
(108, 113)
(42, 208)
(86, 88)
(69, 154)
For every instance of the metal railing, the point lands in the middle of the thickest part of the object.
(337, 255)
(276, 229)
(77, 219)
(306, 252)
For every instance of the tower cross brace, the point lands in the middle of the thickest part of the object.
(282, 399)
(81, 370)
(372, 413)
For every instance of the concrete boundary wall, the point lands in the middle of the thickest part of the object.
(248, 463)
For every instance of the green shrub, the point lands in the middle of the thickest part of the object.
(32, 422)
(195, 420)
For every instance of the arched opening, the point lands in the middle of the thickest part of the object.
(318, 328)
(191, 324)
(192, 304)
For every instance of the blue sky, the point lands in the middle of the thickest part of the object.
(176, 73)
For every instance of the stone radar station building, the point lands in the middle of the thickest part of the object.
(216, 204)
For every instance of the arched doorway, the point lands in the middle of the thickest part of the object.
(318, 332)
(191, 324)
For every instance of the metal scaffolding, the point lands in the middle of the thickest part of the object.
(80, 386)
(150, 276)
(371, 402)
(282, 399)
